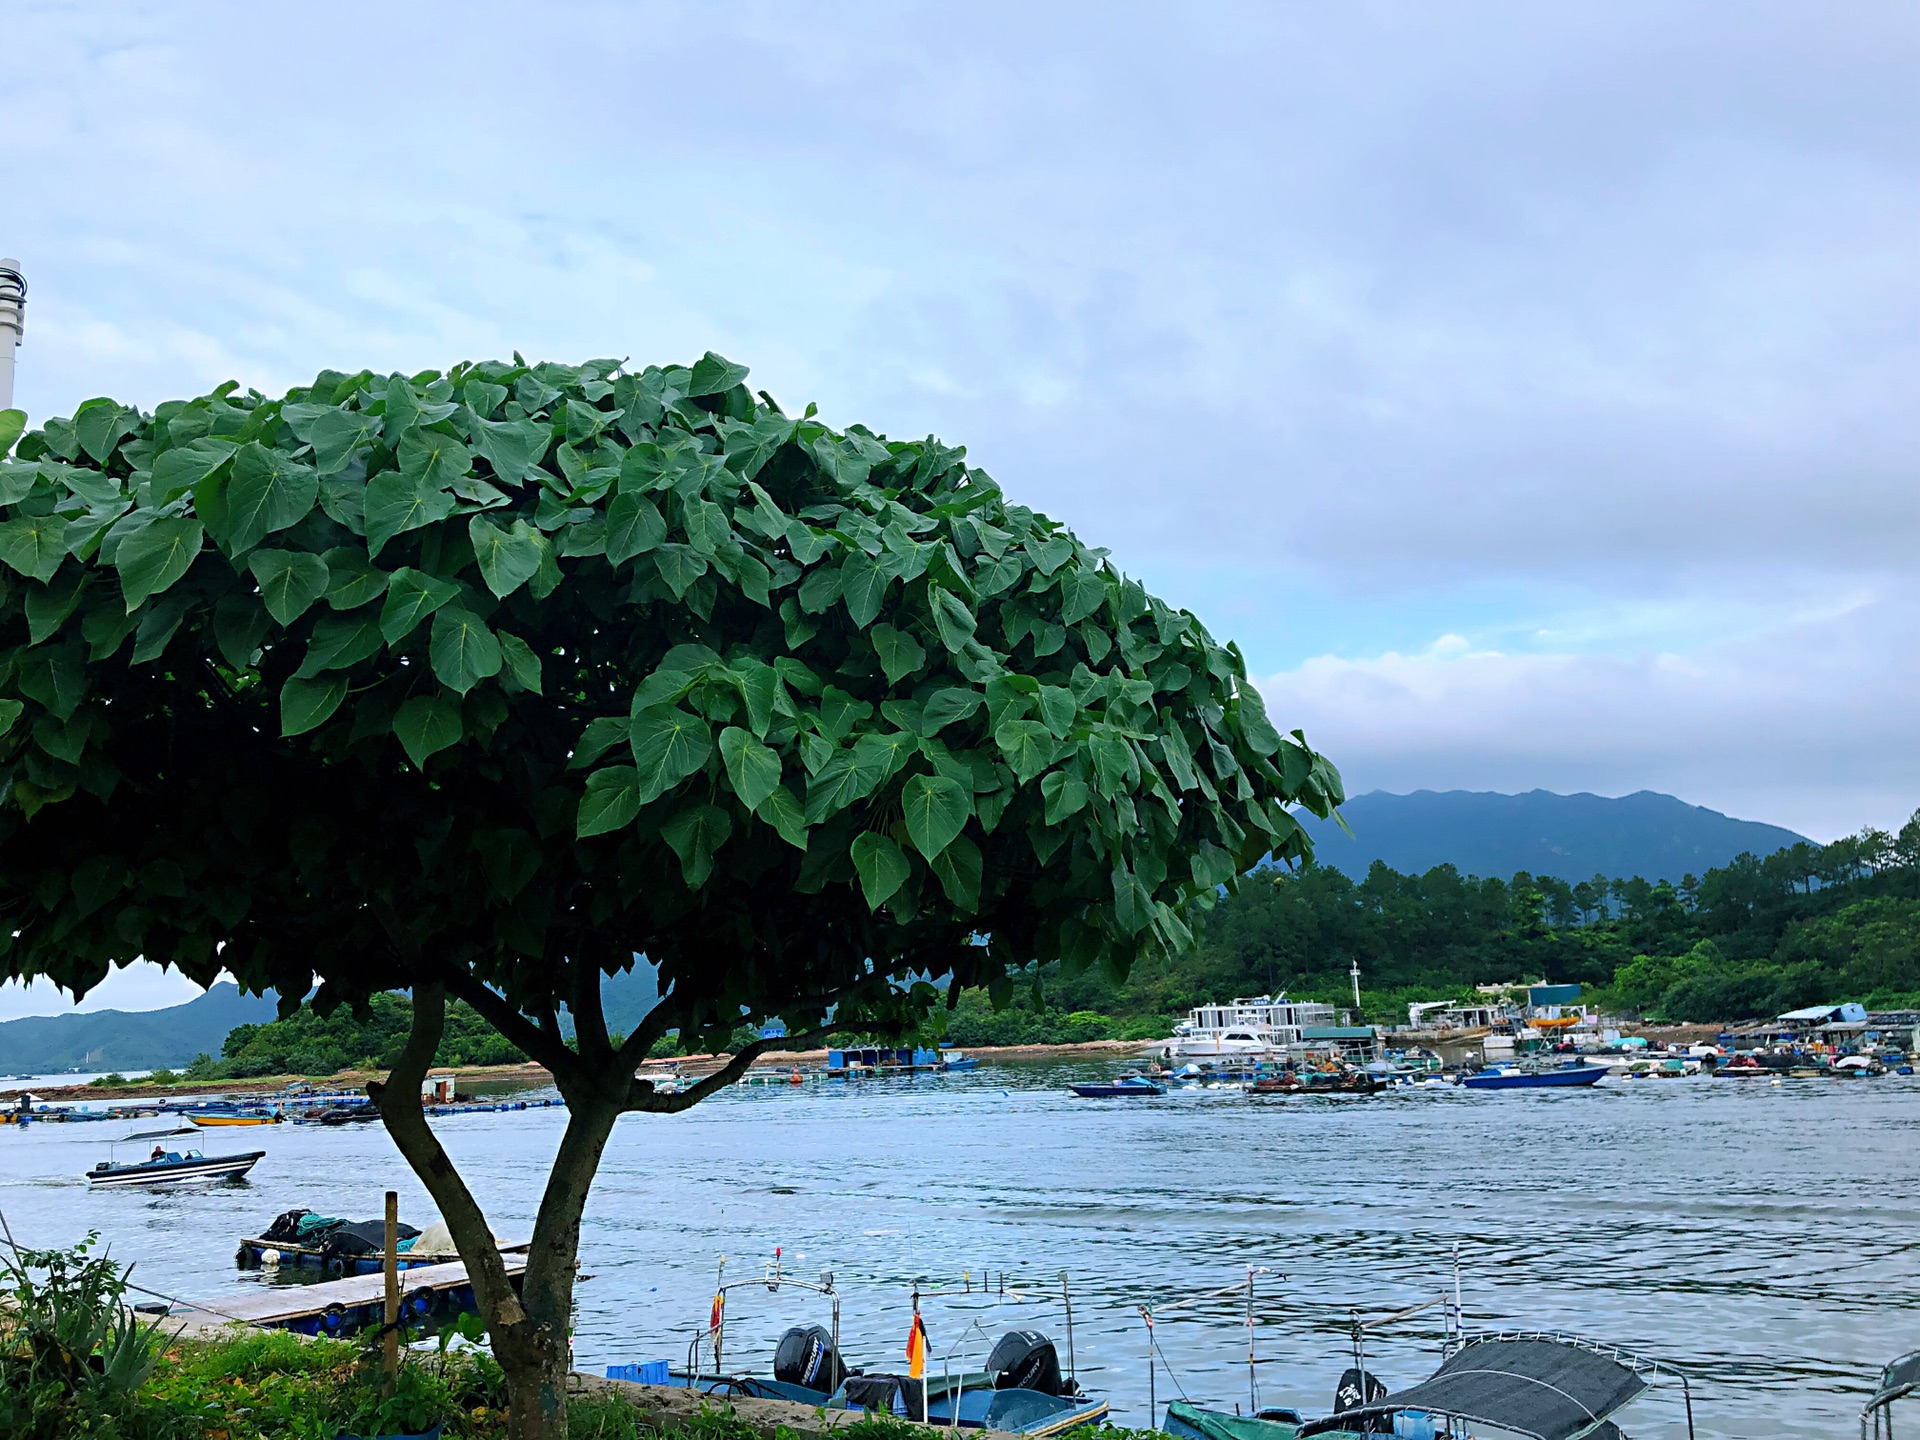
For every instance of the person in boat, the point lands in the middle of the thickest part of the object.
(159, 1153)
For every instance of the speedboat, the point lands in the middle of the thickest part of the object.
(1127, 1086)
(172, 1167)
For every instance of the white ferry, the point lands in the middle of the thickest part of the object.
(1259, 1028)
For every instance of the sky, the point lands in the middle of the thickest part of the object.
(1529, 390)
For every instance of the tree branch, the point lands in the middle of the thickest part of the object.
(539, 1046)
(398, 1100)
(658, 1104)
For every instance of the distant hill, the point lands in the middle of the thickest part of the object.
(1574, 837)
(129, 1040)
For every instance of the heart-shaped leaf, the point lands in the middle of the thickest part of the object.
(752, 768)
(935, 809)
(290, 581)
(881, 866)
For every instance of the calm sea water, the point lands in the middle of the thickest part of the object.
(1766, 1238)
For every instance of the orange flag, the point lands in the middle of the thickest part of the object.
(917, 1348)
(719, 1305)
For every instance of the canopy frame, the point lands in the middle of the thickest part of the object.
(1899, 1379)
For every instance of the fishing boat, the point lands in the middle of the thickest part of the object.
(1514, 1077)
(1126, 1087)
(212, 1118)
(302, 1240)
(170, 1167)
(956, 1060)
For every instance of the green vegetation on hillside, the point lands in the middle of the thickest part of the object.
(307, 1043)
(1806, 925)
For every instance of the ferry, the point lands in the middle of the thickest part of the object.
(1257, 1028)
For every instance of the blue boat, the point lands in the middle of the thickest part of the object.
(1125, 1087)
(1512, 1077)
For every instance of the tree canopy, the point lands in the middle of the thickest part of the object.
(484, 682)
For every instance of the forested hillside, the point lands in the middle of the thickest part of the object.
(1807, 924)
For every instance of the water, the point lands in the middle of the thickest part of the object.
(1765, 1237)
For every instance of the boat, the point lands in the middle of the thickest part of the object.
(1251, 1028)
(171, 1167)
(1898, 1379)
(1515, 1077)
(209, 1118)
(302, 1240)
(956, 1060)
(1126, 1087)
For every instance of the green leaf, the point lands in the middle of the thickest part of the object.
(959, 869)
(158, 622)
(463, 649)
(1066, 794)
(267, 492)
(862, 587)
(600, 736)
(48, 606)
(1084, 592)
(239, 625)
(397, 502)
(611, 801)
(1255, 728)
(952, 618)
(753, 768)
(337, 434)
(695, 834)
(305, 704)
(881, 866)
(634, 526)
(185, 466)
(426, 725)
(432, 458)
(12, 424)
(34, 545)
(1057, 709)
(507, 558)
(352, 581)
(10, 710)
(340, 642)
(680, 566)
(1027, 745)
(99, 425)
(668, 746)
(900, 654)
(522, 663)
(935, 809)
(946, 706)
(1050, 555)
(787, 816)
(290, 581)
(512, 447)
(152, 558)
(714, 376)
(412, 595)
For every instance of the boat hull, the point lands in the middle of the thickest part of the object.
(1117, 1092)
(1573, 1075)
(209, 1121)
(175, 1172)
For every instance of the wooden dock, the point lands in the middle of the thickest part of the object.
(429, 1294)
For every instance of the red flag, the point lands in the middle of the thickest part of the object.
(719, 1304)
(917, 1348)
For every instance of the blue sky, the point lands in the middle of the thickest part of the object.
(1529, 389)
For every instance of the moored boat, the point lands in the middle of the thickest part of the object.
(1317, 1082)
(1126, 1087)
(1514, 1077)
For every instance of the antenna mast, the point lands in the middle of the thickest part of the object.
(13, 323)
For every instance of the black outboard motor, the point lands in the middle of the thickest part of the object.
(805, 1356)
(1357, 1388)
(1026, 1360)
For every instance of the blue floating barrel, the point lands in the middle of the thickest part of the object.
(647, 1372)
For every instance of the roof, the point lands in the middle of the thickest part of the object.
(1336, 1032)
(1545, 1389)
(1810, 1012)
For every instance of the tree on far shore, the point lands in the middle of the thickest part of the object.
(477, 684)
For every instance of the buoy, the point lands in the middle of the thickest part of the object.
(269, 1256)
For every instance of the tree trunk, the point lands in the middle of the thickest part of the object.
(529, 1331)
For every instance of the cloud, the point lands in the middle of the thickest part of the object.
(1805, 719)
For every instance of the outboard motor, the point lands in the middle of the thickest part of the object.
(1026, 1360)
(1357, 1388)
(805, 1356)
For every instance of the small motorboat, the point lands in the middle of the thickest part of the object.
(954, 1060)
(171, 1167)
(206, 1118)
(1126, 1087)
(1510, 1076)
(1317, 1082)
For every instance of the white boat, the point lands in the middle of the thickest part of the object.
(1257, 1028)
(171, 1167)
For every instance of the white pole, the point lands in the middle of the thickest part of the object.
(1355, 972)
(13, 323)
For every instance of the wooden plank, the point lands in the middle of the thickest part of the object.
(293, 1302)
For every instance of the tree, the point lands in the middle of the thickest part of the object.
(478, 684)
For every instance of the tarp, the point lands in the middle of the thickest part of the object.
(1546, 1389)
(1193, 1423)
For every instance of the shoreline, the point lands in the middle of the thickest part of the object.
(534, 1076)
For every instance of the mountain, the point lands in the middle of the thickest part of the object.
(1572, 836)
(129, 1040)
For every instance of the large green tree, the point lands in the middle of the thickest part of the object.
(477, 684)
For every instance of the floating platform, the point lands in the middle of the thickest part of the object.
(429, 1295)
(252, 1253)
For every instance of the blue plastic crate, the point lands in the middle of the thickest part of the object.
(647, 1372)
